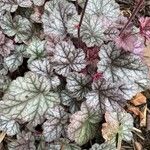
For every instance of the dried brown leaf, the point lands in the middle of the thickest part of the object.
(139, 99)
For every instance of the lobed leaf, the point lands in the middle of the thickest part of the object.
(28, 98)
(68, 58)
(78, 84)
(11, 127)
(24, 141)
(54, 126)
(118, 65)
(19, 27)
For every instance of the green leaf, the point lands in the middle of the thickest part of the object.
(54, 126)
(28, 98)
(107, 11)
(36, 49)
(117, 122)
(55, 16)
(11, 127)
(13, 61)
(83, 125)
(78, 84)
(67, 100)
(19, 27)
(118, 65)
(104, 146)
(25, 141)
(67, 58)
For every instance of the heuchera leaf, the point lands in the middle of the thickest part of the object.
(91, 30)
(36, 49)
(56, 15)
(103, 90)
(13, 61)
(65, 144)
(19, 27)
(45, 68)
(118, 65)
(38, 2)
(11, 127)
(28, 98)
(78, 84)
(54, 126)
(12, 5)
(117, 122)
(83, 125)
(25, 141)
(68, 58)
(104, 146)
(4, 82)
(106, 10)
(6, 45)
(67, 100)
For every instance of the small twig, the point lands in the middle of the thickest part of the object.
(137, 130)
(135, 11)
(81, 19)
(119, 143)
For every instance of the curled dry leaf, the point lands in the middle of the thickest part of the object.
(139, 99)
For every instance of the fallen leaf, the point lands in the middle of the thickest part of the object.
(2, 136)
(136, 111)
(139, 99)
(138, 146)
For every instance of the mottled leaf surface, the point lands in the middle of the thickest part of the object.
(28, 98)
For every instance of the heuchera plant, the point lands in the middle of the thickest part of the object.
(64, 66)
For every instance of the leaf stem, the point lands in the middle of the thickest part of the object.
(81, 19)
(135, 11)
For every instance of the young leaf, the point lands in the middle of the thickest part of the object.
(28, 98)
(6, 45)
(19, 27)
(11, 127)
(54, 126)
(117, 122)
(56, 15)
(67, 58)
(13, 61)
(78, 84)
(83, 125)
(118, 65)
(25, 141)
(36, 49)
(107, 10)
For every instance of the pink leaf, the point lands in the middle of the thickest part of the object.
(145, 27)
(6, 45)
